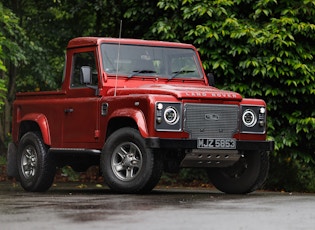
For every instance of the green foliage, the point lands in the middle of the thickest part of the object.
(291, 175)
(68, 172)
(49, 25)
(185, 176)
(9, 50)
(260, 48)
(10, 34)
(3, 90)
(3, 160)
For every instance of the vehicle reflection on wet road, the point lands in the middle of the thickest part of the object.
(69, 207)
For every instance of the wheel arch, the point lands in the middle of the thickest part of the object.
(36, 123)
(127, 118)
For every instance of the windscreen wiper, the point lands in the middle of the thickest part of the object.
(176, 73)
(144, 71)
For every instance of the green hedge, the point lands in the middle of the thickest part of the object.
(263, 49)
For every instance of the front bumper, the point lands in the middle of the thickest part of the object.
(160, 143)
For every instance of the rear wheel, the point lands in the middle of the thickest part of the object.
(36, 168)
(245, 176)
(127, 165)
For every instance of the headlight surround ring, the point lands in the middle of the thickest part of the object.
(171, 115)
(249, 118)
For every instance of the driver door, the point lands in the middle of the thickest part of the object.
(81, 108)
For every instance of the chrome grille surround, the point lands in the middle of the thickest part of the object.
(211, 120)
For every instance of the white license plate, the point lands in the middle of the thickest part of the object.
(216, 143)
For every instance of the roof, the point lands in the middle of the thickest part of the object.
(93, 41)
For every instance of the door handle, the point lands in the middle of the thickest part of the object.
(69, 110)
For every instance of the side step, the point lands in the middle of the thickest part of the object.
(75, 151)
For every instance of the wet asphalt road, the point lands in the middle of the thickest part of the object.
(69, 207)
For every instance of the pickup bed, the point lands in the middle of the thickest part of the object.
(136, 108)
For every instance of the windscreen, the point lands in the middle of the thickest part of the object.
(151, 61)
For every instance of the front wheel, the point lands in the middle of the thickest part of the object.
(36, 168)
(245, 176)
(127, 165)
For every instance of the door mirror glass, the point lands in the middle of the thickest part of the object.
(86, 75)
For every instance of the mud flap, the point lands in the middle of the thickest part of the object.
(12, 170)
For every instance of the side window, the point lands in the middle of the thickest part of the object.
(79, 60)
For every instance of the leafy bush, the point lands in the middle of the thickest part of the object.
(2, 160)
(291, 175)
(263, 49)
(186, 177)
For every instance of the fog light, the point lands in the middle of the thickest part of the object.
(159, 120)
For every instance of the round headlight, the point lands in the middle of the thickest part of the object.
(171, 115)
(249, 118)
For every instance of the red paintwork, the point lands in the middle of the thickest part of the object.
(42, 122)
(85, 127)
(95, 41)
(180, 91)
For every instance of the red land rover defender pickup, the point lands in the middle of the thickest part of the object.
(136, 108)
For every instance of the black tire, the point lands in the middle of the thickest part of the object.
(36, 168)
(245, 176)
(127, 165)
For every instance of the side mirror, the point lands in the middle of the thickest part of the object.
(86, 75)
(210, 77)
